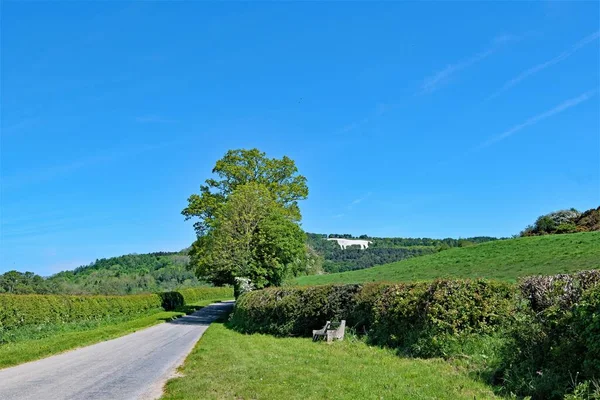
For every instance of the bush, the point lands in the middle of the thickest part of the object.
(418, 318)
(555, 340)
(293, 310)
(562, 290)
(412, 317)
(587, 327)
(20, 310)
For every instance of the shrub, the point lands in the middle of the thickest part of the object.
(20, 310)
(412, 317)
(293, 310)
(587, 327)
(554, 342)
(562, 290)
(418, 318)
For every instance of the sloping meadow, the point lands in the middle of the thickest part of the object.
(547, 328)
(26, 310)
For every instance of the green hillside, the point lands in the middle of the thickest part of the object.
(504, 260)
(128, 274)
(381, 250)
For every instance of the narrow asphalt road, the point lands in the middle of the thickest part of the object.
(135, 366)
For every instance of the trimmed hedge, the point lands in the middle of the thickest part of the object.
(21, 310)
(193, 295)
(398, 315)
(34, 309)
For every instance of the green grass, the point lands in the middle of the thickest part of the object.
(228, 365)
(503, 260)
(32, 343)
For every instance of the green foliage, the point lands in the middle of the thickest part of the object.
(418, 318)
(252, 237)
(194, 295)
(502, 260)
(587, 327)
(412, 317)
(128, 274)
(21, 310)
(565, 221)
(240, 167)
(554, 340)
(24, 310)
(23, 283)
(249, 221)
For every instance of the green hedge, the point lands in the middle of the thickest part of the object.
(34, 309)
(398, 315)
(193, 295)
(555, 339)
(544, 331)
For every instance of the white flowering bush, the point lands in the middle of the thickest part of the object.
(242, 285)
(562, 221)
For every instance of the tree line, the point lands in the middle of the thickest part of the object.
(128, 274)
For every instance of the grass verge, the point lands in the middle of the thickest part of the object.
(228, 365)
(32, 343)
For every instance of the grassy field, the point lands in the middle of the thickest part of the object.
(32, 343)
(229, 365)
(504, 260)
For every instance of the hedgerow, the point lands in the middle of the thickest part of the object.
(545, 329)
(21, 310)
(193, 295)
(396, 315)
(34, 309)
(555, 340)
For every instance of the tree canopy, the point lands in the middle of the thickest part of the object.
(239, 167)
(249, 221)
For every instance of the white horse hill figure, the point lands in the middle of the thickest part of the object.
(364, 244)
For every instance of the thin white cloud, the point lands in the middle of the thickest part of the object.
(540, 117)
(359, 200)
(537, 68)
(435, 81)
(432, 83)
(338, 216)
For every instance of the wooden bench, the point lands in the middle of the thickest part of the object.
(330, 333)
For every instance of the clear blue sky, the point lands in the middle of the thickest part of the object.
(408, 119)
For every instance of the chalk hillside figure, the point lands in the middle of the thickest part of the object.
(364, 244)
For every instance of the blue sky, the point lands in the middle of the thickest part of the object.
(408, 119)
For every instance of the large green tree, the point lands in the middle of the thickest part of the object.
(239, 167)
(249, 220)
(252, 236)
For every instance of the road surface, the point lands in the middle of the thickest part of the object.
(135, 366)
